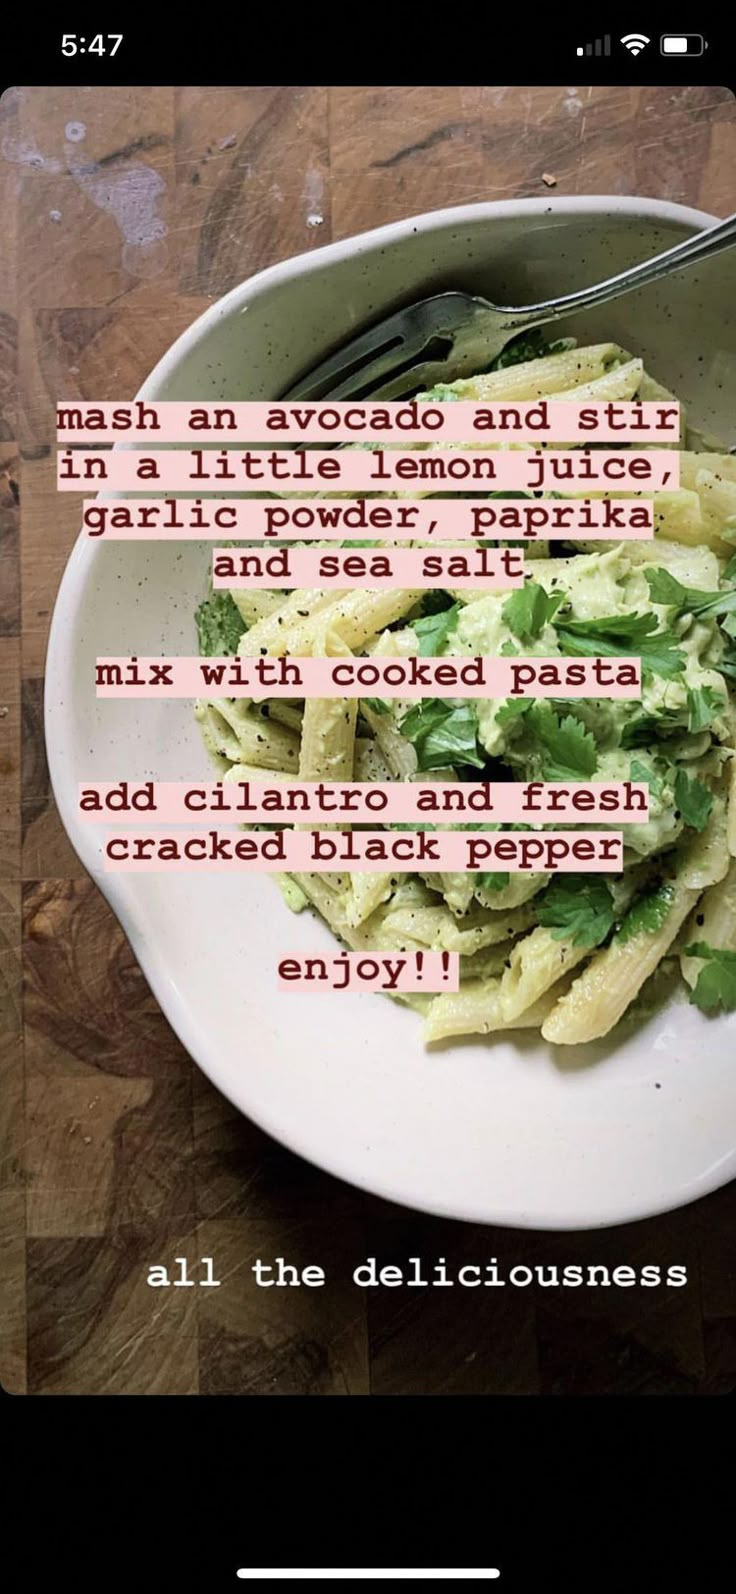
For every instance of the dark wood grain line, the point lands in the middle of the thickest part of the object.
(8, 376)
(449, 1340)
(439, 135)
(135, 146)
(87, 1006)
(254, 217)
(13, 1292)
(10, 649)
(12, 1149)
(46, 852)
(35, 782)
(96, 1327)
(290, 1340)
(11, 1040)
(9, 540)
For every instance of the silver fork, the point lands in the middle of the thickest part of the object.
(454, 334)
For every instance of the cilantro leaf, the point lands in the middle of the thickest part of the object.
(529, 609)
(665, 588)
(578, 907)
(528, 346)
(644, 772)
(716, 982)
(493, 882)
(703, 705)
(377, 704)
(531, 345)
(512, 710)
(432, 631)
(727, 665)
(648, 914)
(441, 393)
(442, 733)
(621, 635)
(693, 799)
(642, 729)
(220, 625)
(570, 749)
(639, 731)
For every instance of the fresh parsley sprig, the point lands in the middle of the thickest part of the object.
(494, 882)
(648, 914)
(433, 630)
(704, 705)
(716, 983)
(568, 749)
(647, 774)
(577, 908)
(220, 625)
(664, 588)
(529, 610)
(443, 733)
(693, 799)
(622, 635)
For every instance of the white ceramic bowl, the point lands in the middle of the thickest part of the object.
(510, 1132)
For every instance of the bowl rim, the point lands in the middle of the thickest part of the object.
(633, 207)
(58, 705)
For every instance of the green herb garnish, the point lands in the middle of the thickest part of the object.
(220, 625)
(577, 908)
(622, 635)
(528, 346)
(716, 982)
(530, 609)
(569, 750)
(644, 772)
(703, 706)
(664, 588)
(693, 799)
(443, 732)
(433, 630)
(647, 915)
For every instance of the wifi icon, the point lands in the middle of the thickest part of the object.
(635, 42)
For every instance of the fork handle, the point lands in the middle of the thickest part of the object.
(688, 253)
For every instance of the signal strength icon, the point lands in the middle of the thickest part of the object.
(598, 47)
(635, 42)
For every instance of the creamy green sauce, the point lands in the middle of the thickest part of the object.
(597, 586)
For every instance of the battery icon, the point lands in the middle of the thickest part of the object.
(682, 44)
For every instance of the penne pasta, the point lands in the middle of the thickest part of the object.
(705, 859)
(357, 616)
(477, 1010)
(713, 920)
(257, 604)
(599, 998)
(368, 892)
(248, 736)
(539, 378)
(537, 962)
(566, 954)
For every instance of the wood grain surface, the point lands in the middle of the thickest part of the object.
(124, 213)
